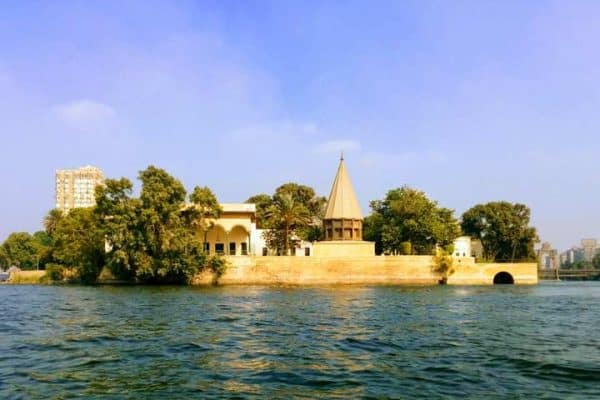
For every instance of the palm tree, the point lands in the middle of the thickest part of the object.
(52, 220)
(287, 213)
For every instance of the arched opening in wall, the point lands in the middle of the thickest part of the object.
(239, 241)
(503, 278)
(216, 240)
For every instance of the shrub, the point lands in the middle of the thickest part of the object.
(55, 272)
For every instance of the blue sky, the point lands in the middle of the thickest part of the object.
(470, 101)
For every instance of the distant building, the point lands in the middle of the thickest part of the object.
(75, 187)
(548, 257)
(589, 247)
(570, 256)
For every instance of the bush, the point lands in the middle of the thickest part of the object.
(443, 263)
(217, 265)
(55, 272)
(406, 248)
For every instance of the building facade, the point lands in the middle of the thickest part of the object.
(548, 257)
(75, 188)
(234, 233)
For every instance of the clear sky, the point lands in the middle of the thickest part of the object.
(470, 101)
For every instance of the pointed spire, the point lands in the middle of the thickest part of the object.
(342, 202)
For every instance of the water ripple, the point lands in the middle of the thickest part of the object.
(331, 342)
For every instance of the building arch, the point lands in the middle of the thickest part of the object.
(216, 240)
(239, 241)
(503, 278)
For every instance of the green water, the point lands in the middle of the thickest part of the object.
(331, 342)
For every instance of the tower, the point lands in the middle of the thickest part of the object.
(343, 219)
(343, 222)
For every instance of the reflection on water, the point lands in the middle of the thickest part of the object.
(336, 342)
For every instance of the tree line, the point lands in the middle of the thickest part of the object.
(158, 236)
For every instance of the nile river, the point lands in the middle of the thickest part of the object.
(332, 342)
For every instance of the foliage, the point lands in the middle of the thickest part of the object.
(407, 215)
(55, 272)
(287, 214)
(209, 209)
(406, 248)
(118, 215)
(52, 220)
(580, 264)
(294, 212)
(443, 263)
(596, 261)
(217, 265)
(4, 260)
(154, 238)
(503, 229)
(263, 202)
(79, 244)
(20, 249)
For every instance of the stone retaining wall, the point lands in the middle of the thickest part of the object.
(369, 270)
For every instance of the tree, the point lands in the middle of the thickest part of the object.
(407, 216)
(263, 202)
(154, 238)
(596, 261)
(44, 245)
(208, 206)
(51, 220)
(119, 220)
(503, 229)
(4, 260)
(287, 214)
(293, 212)
(20, 249)
(79, 244)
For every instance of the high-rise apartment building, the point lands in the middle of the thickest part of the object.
(75, 187)
(590, 247)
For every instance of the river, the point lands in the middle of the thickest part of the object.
(324, 342)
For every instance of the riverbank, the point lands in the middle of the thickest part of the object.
(366, 270)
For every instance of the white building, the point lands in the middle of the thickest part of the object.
(76, 188)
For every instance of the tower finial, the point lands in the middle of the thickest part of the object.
(342, 156)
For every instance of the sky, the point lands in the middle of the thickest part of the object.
(469, 101)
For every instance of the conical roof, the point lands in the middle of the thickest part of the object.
(342, 202)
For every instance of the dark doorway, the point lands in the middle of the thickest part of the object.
(503, 278)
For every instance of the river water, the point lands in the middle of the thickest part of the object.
(324, 342)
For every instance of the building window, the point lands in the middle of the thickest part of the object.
(232, 248)
(244, 248)
(206, 247)
(220, 248)
(307, 251)
(265, 251)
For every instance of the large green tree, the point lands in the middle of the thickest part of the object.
(119, 219)
(503, 229)
(293, 212)
(154, 238)
(20, 249)
(263, 202)
(78, 244)
(52, 220)
(406, 216)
